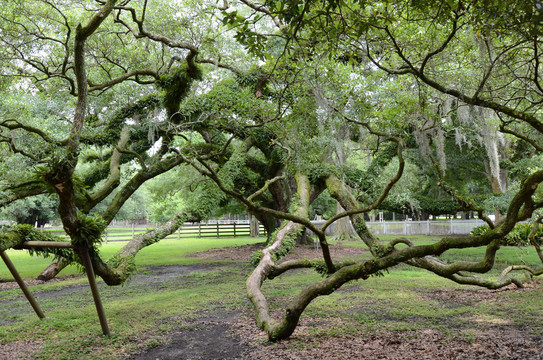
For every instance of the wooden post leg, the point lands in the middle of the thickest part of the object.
(22, 284)
(84, 252)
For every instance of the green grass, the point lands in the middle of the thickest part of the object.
(402, 299)
(166, 252)
(71, 329)
(140, 315)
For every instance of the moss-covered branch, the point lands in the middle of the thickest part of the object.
(388, 256)
(352, 207)
(23, 191)
(119, 267)
(114, 172)
(339, 191)
(267, 260)
(136, 181)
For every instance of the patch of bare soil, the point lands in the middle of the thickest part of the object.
(471, 296)
(8, 284)
(492, 343)
(209, 337)
(229, 336)
(243, 253)
(158, 274)
(18, 349)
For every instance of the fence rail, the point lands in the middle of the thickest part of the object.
(428, 227)
(219, 229)
(188, 230)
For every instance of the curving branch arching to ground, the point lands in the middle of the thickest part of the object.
(290, 230)
(385, 254)
(119, 268)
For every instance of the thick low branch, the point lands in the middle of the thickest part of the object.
(261, 272)
(267, 262)
(457, 271)
(353, 208)
(53, 269)
(114, 171)
(303, 264)
(384, 260)
(531, 271)
(118, 269)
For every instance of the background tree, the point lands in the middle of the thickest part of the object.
(37, 210)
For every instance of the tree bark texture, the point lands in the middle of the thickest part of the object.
(267, 261)
(119, 269)
(386, 256)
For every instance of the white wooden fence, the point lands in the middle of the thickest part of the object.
(428, 227)
(232, 228)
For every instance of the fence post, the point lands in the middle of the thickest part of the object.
(234, 229)
(405, 227)
(384, 228)
(199, 230)
(217, 229)
(178, 233)
(451, 228)
(132, 230)
(428, 227)
(105, 233)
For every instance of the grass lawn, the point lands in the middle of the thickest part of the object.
(143, 312)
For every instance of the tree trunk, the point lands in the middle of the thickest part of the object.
(303, 238)
(270, 224)
(339, 191)
(344, 230)
(498, 186)
(254, 226)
